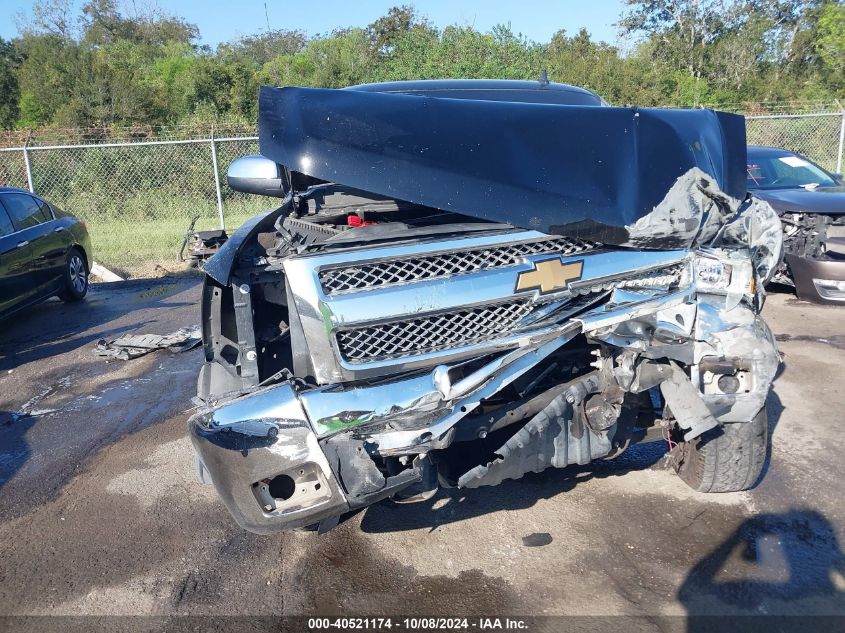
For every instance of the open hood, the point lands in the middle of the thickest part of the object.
(647, 178)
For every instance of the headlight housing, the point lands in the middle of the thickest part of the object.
(757, 229)
(751, 245)
(724, 272)
(711, 275)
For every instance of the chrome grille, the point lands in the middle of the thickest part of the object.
(665, 276)
(470, 326)
(386, 272)
(380, 329)
(427, 334)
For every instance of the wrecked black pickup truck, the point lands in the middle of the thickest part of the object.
(469, 281)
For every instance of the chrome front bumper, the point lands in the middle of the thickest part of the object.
(264, 440)
(263, 452)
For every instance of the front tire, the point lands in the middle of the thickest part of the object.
(728, 459)
(75, 277)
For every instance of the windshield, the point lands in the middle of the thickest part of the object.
(782, 172)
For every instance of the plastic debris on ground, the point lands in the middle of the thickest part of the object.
(131, 346)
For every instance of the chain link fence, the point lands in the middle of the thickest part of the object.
(138, 198)
(818, 136)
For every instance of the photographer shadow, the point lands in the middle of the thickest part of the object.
(786, 563)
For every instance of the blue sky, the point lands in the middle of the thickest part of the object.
(224, 20)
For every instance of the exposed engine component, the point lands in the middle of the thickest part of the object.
(805, 236)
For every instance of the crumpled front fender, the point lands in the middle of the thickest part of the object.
(266, 463)
(741, 338)
(219, 267)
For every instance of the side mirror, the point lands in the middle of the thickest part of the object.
(838, 177)
(256, 174)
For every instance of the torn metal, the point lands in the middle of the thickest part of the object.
(200, 245)
(129, 346)
(456, 318)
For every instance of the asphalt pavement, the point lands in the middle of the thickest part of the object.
(100, 513)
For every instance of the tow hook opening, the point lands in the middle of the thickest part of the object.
(281, 487)
(302, 487)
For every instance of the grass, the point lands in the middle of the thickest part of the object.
(140, 247)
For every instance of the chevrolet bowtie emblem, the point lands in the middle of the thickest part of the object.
(549, 275)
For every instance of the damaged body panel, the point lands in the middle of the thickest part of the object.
(424, 310)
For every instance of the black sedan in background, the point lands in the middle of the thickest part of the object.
(43, 252)
(810, 202)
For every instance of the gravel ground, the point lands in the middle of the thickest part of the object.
(100, 512)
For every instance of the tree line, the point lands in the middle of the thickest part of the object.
(103, 66)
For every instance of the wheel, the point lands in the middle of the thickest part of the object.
(726, 459)
(76, 276)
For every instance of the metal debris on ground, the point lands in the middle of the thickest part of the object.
(131, 346)
(200, 245)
